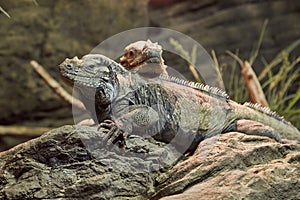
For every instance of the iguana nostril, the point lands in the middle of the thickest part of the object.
(69, 66)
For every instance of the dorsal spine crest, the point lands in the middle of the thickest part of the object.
(199, 86)
(266, 110)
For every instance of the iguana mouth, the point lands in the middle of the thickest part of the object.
(68, 71)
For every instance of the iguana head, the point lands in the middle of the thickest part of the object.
(92, 72)
(141, 52)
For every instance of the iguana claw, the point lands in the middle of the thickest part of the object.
(114, 134)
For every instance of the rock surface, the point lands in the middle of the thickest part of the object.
(76, 163)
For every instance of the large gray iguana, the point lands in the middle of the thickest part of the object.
(165, 107)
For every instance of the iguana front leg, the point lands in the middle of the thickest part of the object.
(135, 120)
(114, 134)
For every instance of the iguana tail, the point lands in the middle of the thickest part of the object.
(259, 120)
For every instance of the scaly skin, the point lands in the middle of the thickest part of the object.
(145, 58)
(164, 108)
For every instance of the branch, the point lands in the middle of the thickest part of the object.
(56, 87)
(22, 130)
(4, 12)
(194, 73)
(217, 69)
(256, 93)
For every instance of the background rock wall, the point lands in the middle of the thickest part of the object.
(48, 32)
(233, 24)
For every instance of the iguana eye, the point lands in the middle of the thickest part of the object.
(131, 53)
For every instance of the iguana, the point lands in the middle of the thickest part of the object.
(165, 107)
(145, 58)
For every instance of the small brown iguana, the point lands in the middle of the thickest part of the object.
(145, 58)
(165, 107)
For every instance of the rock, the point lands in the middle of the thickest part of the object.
(237, 167)
(75, 162)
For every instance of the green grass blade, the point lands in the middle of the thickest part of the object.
(234, 56)
(256, 50)
(293, 101)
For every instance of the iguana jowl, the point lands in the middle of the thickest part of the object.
(163, 107)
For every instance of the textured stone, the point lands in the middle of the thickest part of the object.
(59, 165)
(237, 167)
(74, 163)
